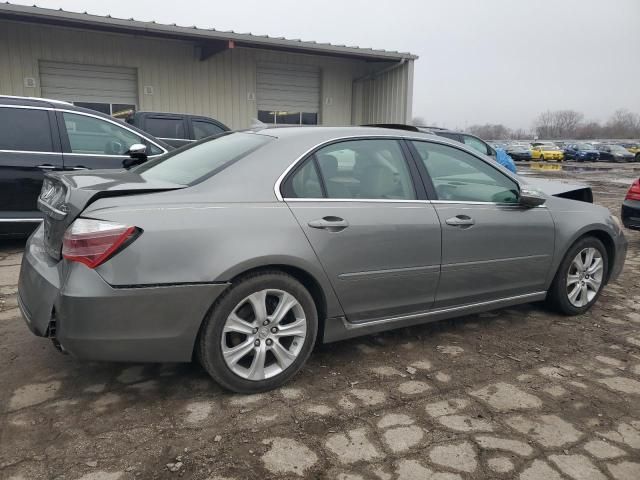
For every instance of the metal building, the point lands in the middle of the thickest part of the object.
(114, 64)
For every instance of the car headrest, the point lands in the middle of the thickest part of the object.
(377, 181)
(328, 165)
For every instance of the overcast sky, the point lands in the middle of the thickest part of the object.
(481, 61)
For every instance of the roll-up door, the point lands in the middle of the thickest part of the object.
(286, 90)
(103, 88)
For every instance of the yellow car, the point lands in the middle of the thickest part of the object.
(633, 148)
(547, 152)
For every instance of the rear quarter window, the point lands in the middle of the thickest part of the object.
(201, 160)
(25, 129)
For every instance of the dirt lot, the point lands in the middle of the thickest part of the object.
(517, 393)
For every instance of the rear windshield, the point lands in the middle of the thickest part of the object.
(201, 160)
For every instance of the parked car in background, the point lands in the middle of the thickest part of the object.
(547, 152)
(519, 152)
(633, 148)
(303, 245)
(631, 207)
(175, 129)
(614, 153)
(581, 152)
(39, 135)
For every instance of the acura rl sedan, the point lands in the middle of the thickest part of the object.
(244, 249)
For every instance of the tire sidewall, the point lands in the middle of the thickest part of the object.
(560, 293)
(210, 349)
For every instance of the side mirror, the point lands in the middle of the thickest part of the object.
(138, 154)
(531, 198)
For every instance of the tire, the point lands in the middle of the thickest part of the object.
(542, 158)
(271, 289)
(559, 295)
(637, 157)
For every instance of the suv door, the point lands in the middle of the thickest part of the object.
(29, 146)
(171, 129)
(364, 215)
(492, 247)
(90, 141)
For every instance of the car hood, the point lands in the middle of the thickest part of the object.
(559, 188)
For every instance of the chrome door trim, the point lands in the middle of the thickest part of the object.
(390, 320)
(11, 220)
(353, 200)
(426, 138)
(31, 152)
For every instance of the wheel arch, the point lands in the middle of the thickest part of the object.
(606, 239)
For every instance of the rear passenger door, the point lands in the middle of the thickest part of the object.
(367, 219)
(90, 141)
(29, 146)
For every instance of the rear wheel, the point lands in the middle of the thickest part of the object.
(259, 334)
(580, 277)
(542, 158)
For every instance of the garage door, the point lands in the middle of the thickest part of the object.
(288, 94)
(107, 89)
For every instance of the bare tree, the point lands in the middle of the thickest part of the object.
(490, 132)
(623, 124)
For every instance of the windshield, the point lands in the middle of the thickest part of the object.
(585, 146)
(201, 160)
(546, 148)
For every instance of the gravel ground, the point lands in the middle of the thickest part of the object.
(516, 393)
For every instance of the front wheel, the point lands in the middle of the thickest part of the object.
(259, 333)
(580, 277)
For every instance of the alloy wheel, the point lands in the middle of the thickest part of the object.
(584, 277)
(264, 334)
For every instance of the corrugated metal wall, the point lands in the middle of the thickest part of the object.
(386, 97)
(223, 86)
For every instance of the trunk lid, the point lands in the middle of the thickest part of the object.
(65, 195)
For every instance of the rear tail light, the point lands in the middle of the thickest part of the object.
(634, 191)
(93, 242)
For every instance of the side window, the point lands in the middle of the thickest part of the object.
(476, 144)
(460, 177)
(25, 130)
(305, 182)
(94, 136)
(203, 129)
(357, 169)
(165, 127)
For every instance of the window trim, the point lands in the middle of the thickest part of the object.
(416, 181)
(424, 173)
(430, 196)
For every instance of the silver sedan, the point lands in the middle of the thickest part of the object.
(244, 249)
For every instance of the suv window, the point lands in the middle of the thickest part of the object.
(165, 127)
(461, 177)
(203, 129)
(94, 136)
(476, 144)
(25, 130)
(199, 161)
(356, 169)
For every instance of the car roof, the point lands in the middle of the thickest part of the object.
(321, 133)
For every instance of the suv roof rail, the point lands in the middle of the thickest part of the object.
(50, 100)
(394, 126)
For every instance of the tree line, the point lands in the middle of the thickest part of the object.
(563, 124)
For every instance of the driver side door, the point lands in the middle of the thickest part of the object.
(91, 142)
(492, 247)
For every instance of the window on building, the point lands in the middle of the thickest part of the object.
(461, 177)
(25, 130)
(287, 118)
(115, 109)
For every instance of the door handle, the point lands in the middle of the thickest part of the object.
(460, 221)
(332, 224)
(46, 167)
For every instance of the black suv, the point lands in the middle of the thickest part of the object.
(176, 129)
(40, 135)
(466, 138)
